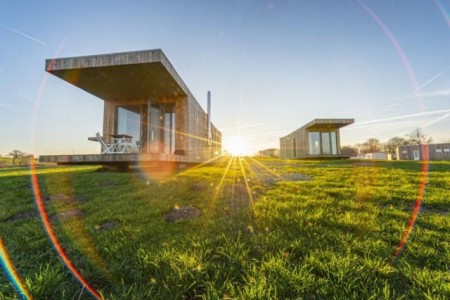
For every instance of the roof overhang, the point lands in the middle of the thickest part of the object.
(128, 75)
(327, 124)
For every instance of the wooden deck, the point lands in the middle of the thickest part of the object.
(112, 159)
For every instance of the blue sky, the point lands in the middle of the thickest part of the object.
(271, 66)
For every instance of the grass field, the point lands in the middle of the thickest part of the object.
(268, 229)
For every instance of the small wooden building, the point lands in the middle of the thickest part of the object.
(424, 152)
(319, 138)
(144, 97)
(270, 152)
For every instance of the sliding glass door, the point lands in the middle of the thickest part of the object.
(162, 128)
(324, 143)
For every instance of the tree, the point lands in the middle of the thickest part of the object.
(417, 137)
(19, 157)
(370, 146)
(349, 151)
(391, 145)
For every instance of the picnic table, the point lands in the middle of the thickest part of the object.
(123, 142)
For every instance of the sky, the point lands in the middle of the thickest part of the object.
(271, 66)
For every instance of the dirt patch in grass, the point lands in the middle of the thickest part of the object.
(65, 198)
(107, 226)
(197, 187)
(434, 210)
(67, 215)
(23, 215)
(269, 178)
(27, 185)
(105, 183)
(182, 213)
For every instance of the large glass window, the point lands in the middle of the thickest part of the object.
(169, 132)
(155, 129)
(162, 128)
(326, 147)
(333, 143)
(314, 142)
(129, 121)
(322, 143)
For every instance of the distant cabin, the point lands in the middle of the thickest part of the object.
(424, 152)
(271, 152)
(145, 98)
(319, 138)
(373, 155)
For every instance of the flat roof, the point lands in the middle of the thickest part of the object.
(126, 75)
(324, 125)
(321, 124)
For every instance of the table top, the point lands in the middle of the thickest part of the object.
(121, 136)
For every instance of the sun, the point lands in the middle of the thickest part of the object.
(236, 146)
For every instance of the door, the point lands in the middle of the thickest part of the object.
(416, 154)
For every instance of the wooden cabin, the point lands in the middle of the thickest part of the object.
(320, 138)
(145, 98)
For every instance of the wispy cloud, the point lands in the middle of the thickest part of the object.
(5, 106)
(436, 93)
(408, 116)
(436, 120)
(388, 126)
(385, 107)
(431, 79)
(402, 121)
(22, 34)
(26, 97)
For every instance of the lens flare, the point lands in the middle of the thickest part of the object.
(10, 272)
(444, 11)
(417, 93)
(52, 236)
(237, 146)
(213, 200)
(417, 203)
(247, 187)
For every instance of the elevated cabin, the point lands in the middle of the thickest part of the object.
(319, 138)
(424, 152)
(145, 98)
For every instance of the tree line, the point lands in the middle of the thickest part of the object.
(417, 137)
(19, 158)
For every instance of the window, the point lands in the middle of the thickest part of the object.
(162, 128)
(333, 143)
(155, 129)
(326, 147)
(322, 143)
(314, 143)
(129, 121)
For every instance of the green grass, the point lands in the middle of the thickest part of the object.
(305, 229)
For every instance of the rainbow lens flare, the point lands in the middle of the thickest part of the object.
(10, 272)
